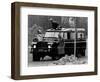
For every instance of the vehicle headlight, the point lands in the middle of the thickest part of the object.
(34, 46)
(49, 46)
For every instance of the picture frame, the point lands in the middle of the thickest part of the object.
(19, 35)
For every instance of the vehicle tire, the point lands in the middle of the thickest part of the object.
(55, 58)
(83, 52)
(36, 58)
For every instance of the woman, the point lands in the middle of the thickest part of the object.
(39, 35)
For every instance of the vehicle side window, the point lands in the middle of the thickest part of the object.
(68, 35)
(80, 35)
(65, 35)
(72, 35)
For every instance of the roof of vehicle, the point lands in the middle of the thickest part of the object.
(50, 33)
(66, 29)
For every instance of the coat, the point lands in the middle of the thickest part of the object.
(61, 48)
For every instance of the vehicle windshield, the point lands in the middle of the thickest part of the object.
(51, 34)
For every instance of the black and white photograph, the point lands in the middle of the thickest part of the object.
(57, 40)
(50, 40)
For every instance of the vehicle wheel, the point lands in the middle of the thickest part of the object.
(55, 58)
(36, 58)
(83, 52)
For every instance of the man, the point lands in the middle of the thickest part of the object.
(61, 45)
(54, 24)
